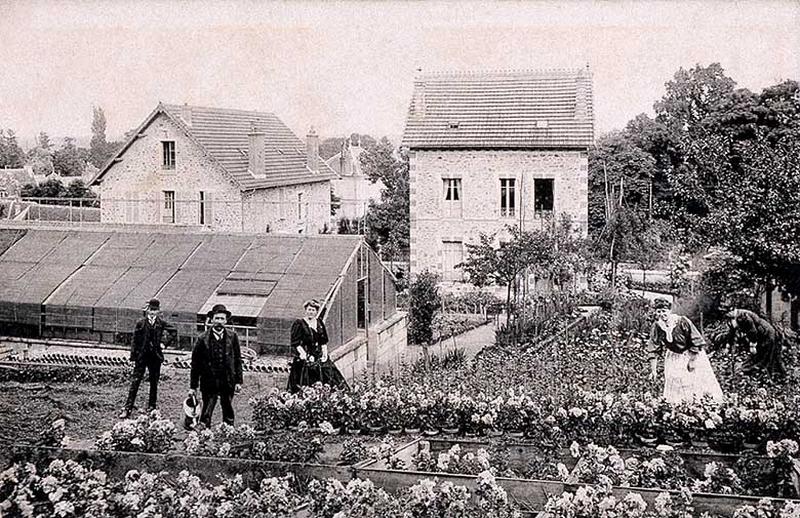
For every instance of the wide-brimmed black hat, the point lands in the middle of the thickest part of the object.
(154, 304)
(218, 308)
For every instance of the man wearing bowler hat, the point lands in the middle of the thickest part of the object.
(147, 353)
(217, 366)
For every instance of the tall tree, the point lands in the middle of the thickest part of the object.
(98, 147)
(388, 220)
(40, 158)
(69, 160)
(692, 95)
(11, 155)
(617, 159)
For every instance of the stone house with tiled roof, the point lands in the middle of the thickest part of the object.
(352, 186)
(493, 149)
(221, 169)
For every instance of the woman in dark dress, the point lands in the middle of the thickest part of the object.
(311, 362)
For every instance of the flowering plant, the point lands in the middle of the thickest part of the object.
(148, 433)
(718, 479)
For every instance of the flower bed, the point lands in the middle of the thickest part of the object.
(665, 468)
(69, 488)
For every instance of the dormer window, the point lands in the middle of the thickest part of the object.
(168, 154)
(453, 124)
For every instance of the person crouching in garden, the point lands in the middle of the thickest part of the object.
(687, 371)
(217, 366)
(311, 362)
(147, 354)
(764, 339)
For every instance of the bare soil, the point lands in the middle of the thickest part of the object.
(89, 409)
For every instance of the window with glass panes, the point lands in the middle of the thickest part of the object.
(452, 197)
(168, 215)
(168, 154)
(508, 200)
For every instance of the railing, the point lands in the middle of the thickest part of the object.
(122, 330)
(251, 215)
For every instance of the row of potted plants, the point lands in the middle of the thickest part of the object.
(620, 418)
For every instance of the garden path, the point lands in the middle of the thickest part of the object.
(471, 342)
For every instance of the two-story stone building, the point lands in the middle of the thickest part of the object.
(490, 150)
(217, 168)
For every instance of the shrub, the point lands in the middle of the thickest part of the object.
(424, 302)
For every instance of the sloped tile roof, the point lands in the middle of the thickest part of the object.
(501, 110)
(352, 165)
(223, 135)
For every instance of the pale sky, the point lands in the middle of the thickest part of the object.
(348, 67)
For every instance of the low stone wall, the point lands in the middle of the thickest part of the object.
(382, 348)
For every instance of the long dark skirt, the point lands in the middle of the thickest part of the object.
(305, 374)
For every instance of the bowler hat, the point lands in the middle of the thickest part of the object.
(662, 303)
(218, 308)
(154, 304)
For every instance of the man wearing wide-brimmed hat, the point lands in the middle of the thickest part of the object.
(147, 353)
(217, 366)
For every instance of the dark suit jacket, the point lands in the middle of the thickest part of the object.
(312, 341)
(216, 374)
(753, 327)
(147, 340)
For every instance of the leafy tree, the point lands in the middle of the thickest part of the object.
(52, 188)
(40, 158)
(11, 155)
(502, 264)
(43, 141)
(77, 189)
(615, 160)
(98, 147)
(69, 160)
(424, 302)
(747, 202)
(387, 221)
(365, 141)
(329, 147)
(692, 95)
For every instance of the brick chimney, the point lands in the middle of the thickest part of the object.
(583, 93)
(186, 114)
(256, 143)
(312, 150)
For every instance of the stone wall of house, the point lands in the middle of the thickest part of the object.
(279, 209)
(480, 173)
(132, 190)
